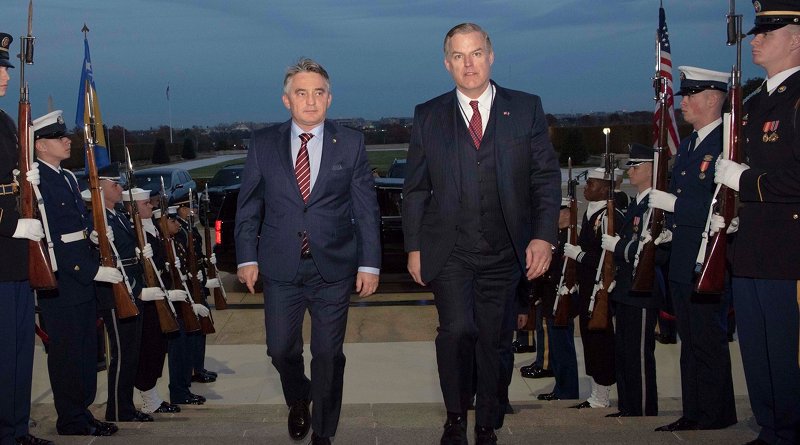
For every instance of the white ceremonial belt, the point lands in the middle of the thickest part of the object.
(72, 237)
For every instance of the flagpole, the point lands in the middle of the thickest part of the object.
(169, 108)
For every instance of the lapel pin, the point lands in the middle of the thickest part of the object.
(782, 88)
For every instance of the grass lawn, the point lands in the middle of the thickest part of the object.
(378, 159)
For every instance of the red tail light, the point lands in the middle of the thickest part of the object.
(218, 230)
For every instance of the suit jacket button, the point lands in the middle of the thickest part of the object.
(300, 234)
(305, 209)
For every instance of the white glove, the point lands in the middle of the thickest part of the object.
(108, 275)
(728, 173)
(212, 283)
(564, 291)
(572, 251)
(609, 242)
(151, 294)
(733, 227)
(213, 259)
(28, 228)
(200, 310)
(177, 295)
(717, 222)
(664, 237)
(147, 252)
(612, 286)
(661, 200)
(109, 233)
(177, 263)
(33, 174)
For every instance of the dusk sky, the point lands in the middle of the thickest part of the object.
(225, 60)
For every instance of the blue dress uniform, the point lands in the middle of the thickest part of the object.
(16, 316)
(70, 311)
(636, 314)
(706, 380)
(125, 334)
(766, 258)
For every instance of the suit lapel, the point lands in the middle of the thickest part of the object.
(285, 154)
(448, 134)
(500, 124)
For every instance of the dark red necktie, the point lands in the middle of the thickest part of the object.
(302, 171)
(475, 124)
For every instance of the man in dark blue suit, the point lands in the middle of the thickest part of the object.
(706, 381)
(308, 222)
(17, 316)
(766, 258)
(481, 199)
(70, 311)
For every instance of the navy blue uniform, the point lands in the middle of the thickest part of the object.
(706, 381)
(16, 316)
(636, 315)
(766, 261)
(70, 311)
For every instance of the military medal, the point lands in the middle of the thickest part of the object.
(635, 226)
(771, 126)
(704, 165)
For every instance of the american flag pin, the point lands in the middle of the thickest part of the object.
(506, 113)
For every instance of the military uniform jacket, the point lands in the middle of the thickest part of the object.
(766, 245)
(546, 286)
(126, 243)
(630, 233)
(589, 239)
(12, 267)
(693, 183)
(77, 260)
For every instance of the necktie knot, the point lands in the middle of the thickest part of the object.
(474, 105)
(305, 137)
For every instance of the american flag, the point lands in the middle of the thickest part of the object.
(665, 71)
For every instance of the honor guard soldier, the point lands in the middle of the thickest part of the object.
(636, 313)
(153, 348)
(701, 323)
(766, 258)
(598, 345)
(125, 334)
(17, 316)
(70, 311)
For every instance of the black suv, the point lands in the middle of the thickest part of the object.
(227, 179)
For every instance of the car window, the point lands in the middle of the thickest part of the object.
(398, 169)
(226, 177)
(152, 181)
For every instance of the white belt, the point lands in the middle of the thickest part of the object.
(72, 237)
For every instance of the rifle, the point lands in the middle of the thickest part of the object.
(123, 300)
(598, 309)
(645, 261)
(220, 297)
(41, 265)
(190, 321)
(711, 257)
(206, 323)
(569, 275)
(165, 311)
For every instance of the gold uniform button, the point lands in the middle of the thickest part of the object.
(674, 226)
(795, 216)
(77, 268)
(679, 190)
(683, 173)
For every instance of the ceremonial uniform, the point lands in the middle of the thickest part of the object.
(766, 293)
(16, 298)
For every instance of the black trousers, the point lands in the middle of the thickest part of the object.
(471, 293)
(635, 345)
(153, 350)
(706, 381)
(179, 346)
(598, 353)
(563, 359)
(124, 340)
(72, 362)
(285, 304)
(16, 359)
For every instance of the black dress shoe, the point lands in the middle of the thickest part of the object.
(30, 439)
(666, 339)
(509, 409)
(167, 408)
(682, 424)
(484, 435)
(582, 405)
(316, 440)
(299, 420)
(535, 372)
(519, 348)
(197, 397)
(548, 396)
(139, 416)
(204, 378)
(455, 430)
(211, 373)
(103, 428)
(189, 400)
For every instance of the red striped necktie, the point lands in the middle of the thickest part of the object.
(302, 171)
(476, 124)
